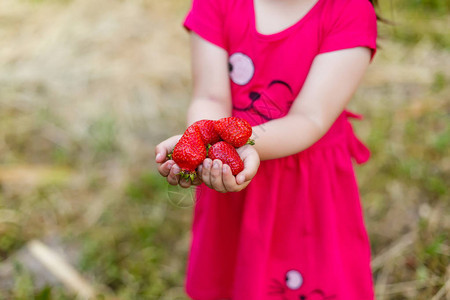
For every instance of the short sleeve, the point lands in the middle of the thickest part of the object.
(206, 18)
(354, 25)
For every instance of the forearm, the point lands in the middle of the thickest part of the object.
(211, 98)
(286, 136)
(205, 108)
(330, 84)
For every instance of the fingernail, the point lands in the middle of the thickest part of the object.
(158, 156)
(225, 169)
(207, 164)
(240, 179)
(216, 165)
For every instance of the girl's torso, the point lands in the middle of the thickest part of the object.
(271, 45)
(270, 56)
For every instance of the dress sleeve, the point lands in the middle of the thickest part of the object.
(206, 18)
(354, 25)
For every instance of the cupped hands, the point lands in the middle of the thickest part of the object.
(214, 174)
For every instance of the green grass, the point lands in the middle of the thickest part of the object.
(413, 21)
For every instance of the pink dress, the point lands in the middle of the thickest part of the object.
(297, 231)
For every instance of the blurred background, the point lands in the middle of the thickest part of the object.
(88, 88)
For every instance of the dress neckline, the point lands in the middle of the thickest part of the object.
(285, 31)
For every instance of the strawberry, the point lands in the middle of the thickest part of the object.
(209, 135)
(189, 152)
(226, 153)
(233, 130)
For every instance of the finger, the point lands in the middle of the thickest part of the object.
(185, 182)
(173, 178)
(241, 178)
(165, 147)
(216, 176)
(164, 168)
(199, 171)
(161, 153)
(206, 172)
(160, 157)
(197, 179)
(229, 181)
(251, 164)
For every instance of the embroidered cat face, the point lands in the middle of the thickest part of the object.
(291, 288)
(270, 102)
(267, 102)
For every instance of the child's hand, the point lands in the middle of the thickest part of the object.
(167, 167)
(218, 176)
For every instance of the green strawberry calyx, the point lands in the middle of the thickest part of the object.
(207, 149)
(188, 175)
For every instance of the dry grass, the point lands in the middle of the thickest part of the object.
(87, 88)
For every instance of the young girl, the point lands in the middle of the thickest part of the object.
(289, 226)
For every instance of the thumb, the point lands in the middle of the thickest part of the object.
(160, 153)
(241, 178)
(164, 148)
(251, 165)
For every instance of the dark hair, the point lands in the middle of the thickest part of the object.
(375, 4)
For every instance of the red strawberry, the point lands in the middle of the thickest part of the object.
(189, 152)
(228, 155)
(233, 130)
(209, 135)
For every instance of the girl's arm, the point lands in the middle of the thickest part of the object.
(330, 84)
(211, 100)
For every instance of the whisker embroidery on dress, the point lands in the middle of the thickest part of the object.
(277, 282)
(273, 287)
(319, 292)
(276, 287)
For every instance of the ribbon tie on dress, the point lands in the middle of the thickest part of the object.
(357, 149)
